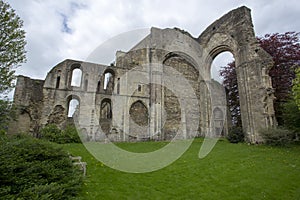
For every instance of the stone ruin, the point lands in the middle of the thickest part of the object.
(112, 105)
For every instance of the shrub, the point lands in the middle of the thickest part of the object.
(70, 135)
(291, 117)
(276, 136)
(35, 169)
(235, 135)
(53, 134)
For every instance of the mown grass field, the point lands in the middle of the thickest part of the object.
(230, 171)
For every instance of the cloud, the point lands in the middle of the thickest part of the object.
(57, 30)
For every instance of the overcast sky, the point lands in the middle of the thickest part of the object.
(56, 30)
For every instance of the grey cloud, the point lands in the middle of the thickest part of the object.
(89, 23)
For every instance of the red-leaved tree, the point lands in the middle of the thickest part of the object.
(285, 51)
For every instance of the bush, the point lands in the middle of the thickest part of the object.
(70, 135)
(291, 116)
(235, 135)
(35, 169)
(277, 136)
(53, 134)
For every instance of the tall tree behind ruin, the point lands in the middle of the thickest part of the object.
(12, 45)
(12, 54)
(285, 50)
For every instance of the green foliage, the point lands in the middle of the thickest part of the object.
(296, 87)
(70, 135)
(12, 45)
(53, 134)
(277, 136)
(291, 115)
(235, 135)
(35, 169)
(7, 113)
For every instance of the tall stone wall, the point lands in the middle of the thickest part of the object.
(28, 97)
(137, 99)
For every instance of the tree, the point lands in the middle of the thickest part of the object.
(12, 45)
(230, 83)
(285, 51)
(296, 88)
(12, 54)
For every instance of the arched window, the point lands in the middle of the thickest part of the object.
(218, 114)
(106, 110)
(108, 82)
(73, 107)
(218, 121)
(107, 78)
(221, 60)
(98, 86)
(57, 82)
(76, 77)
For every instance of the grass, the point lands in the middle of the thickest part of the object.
(230, 171)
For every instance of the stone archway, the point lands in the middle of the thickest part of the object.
(234, 33)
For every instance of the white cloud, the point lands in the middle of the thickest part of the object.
(57, 30)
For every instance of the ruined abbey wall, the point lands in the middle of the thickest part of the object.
(160, 89)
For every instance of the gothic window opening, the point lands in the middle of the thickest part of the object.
(106, 110)
(107, 79)
(98, 86)
(57, 82)
(76, 77)
(73, 107)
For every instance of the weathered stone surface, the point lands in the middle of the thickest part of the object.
(29, 98)
(141, 100)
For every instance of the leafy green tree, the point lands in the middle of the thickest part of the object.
(7, 112)
(12, 45)
(12, 54)
(296, 88)
(291, 115)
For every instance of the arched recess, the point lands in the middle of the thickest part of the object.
(182, 55)
(178, 65)
(219, 62)
(73, 105)
(138, 112)
(218, 117)
(106, 109)
(108, 80)
(58, 75)
(105, 120)
(98, 86)
(75, 75)
(138, 121)
(226, 59)
(250, 61)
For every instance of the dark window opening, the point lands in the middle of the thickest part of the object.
(139, 88)
(85, 85)
(57, 82)
(98, 86)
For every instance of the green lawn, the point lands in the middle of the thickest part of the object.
(230, 171)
